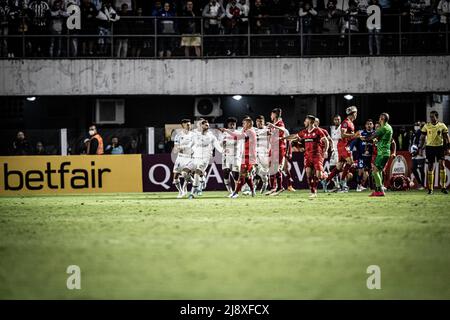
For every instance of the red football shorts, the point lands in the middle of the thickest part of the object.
(343, 152)
(314, 162)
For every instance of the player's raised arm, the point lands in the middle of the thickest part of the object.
(393, 149)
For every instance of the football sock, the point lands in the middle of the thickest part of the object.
(332, 174)
(272, 181)
(377, 178)
(177, 184)
(249, 181)
(227, 185)
(279, 180)
(442, 178)
(430, 180)
(345, 171)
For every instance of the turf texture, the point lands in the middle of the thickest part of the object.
(153, 246)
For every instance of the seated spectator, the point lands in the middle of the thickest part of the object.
(190, 27)
(443, 9)
(122, 27)
(166, 27)
(115, 147)
(258, 13)
(40, 150)
(94, 145)
(133, 147)
(20, 145)
(107, 16)
(58, 18)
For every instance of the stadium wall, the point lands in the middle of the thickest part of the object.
(258, 76)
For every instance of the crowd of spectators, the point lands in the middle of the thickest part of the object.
(133, 24)
(91, 144)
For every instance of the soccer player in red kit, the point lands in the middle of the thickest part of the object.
(345, 160)
(326, 152)
(315, 141)
(277, 152)
(248, 156)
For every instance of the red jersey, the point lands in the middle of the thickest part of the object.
(248, 155)
(326, 134)
(281, 143)
(312, 140)
(349, 128)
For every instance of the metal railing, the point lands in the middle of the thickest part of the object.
(145, 37)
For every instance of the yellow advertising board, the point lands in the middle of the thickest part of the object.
(70, 174)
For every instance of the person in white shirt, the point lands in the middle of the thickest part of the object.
(204, 142)
(262, 153)
(231, 155)
(335, 133)
(183, 149)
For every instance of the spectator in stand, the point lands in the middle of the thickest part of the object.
(40, 17)
(232, 22)
(88, 14)
(443, 9)
(331, 22)
(115, 147)
(40, 150)
(122, 27)
(259, 24)
(214, 12)
(142, 27)
(307, 14)
(157, 8)
(94, 145)
(190, 27)
(417, 10)
(374, 33)
(277, 9)
(133, 147)
(131, 5)
(244, 25)
(166, 28)
(20, 146)
(4, 21)
(106, 16)
(58, 18)
(350, 22)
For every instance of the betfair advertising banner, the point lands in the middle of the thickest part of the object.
(70, 174)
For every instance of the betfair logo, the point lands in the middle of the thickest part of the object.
(54, 178)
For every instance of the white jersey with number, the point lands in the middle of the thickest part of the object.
(335, 134)
(262, 147)
(183, 144)
(202, 147)
(231, 151)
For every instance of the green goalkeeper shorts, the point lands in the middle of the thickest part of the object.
(380, 162)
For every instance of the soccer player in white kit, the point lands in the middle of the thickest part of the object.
(183, 149)
(262, 153)
(335, 133)
(203, 145)
(231, 161)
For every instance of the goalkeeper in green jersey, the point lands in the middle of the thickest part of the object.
(383, 135)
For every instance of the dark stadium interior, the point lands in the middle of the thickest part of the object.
(42, 118)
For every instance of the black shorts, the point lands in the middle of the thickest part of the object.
(434, 154)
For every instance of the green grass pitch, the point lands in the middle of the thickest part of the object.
(152, 246)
